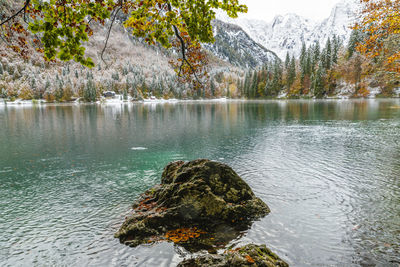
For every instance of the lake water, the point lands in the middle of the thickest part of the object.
(329, 170)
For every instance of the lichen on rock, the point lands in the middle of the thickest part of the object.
(201, 194)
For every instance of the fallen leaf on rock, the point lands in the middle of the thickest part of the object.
(183, 234)
(249, 259)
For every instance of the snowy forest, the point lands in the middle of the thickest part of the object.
(336, 70)
(136, 71)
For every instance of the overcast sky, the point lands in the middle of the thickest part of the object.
(268, 9)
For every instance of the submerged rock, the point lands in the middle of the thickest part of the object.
(250, 255)
(200, 204)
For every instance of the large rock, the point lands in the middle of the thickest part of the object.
(250, 255)
(200, 205)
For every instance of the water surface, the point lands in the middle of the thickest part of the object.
(329, 170)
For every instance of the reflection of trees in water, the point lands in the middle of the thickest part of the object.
(98, 123)
(347, 133)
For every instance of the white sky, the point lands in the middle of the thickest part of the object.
(268, 9)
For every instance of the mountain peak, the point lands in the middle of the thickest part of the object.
(286, 33)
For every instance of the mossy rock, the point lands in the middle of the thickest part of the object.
(200, 194)
(250, 255)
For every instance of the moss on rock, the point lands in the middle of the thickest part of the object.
(202, 193)
(250, 255)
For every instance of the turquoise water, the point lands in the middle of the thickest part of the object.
(329, 170)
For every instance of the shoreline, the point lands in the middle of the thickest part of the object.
(42, 102)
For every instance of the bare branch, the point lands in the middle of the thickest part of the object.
(183, 48)
(27, 2)
(109, 32)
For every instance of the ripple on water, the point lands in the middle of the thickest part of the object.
(330, 178)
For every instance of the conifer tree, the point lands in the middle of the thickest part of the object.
(47, 85)
(317, 53)
(335, 49)
(277, 78)
(212, 87)
(303, 55)
(328, 56)
(254, 84)
(323, 57)
(318, 82)
(33, 83)
(247, 85)
(287, 61)
(89, 93)
(1, 69)
(308, 62)
(291, 76)
(353, 42)
(239, 85)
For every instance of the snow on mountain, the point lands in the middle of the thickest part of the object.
(287, 33)
(342, 17)
(235, 46)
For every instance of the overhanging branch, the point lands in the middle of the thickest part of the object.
(183, 48)
(23, 9)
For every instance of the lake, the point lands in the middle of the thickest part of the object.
(329, 170)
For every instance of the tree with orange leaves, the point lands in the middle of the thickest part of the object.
(192, 66)
(380, 21)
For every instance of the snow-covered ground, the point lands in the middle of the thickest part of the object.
(282, 94)
(396, 91)
(374, 91)
(18, 102)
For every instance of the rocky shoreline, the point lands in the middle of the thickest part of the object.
(200, 205)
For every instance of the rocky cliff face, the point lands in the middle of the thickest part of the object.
(287, 33)
(235, 46)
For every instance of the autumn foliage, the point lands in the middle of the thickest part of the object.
(192, 68)
(380, 21)
(64, 26)
(183, 234)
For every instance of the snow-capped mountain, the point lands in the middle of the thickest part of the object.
(235, 46)
(342, 17)
(287, 33)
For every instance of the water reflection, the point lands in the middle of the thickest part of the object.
(328, 169)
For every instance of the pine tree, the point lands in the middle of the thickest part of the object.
(268, 86)
(303, 55)
(239, 85)
(318, 83)
(47, 85)
(335, 50)
(89, 93)
(33, 83)
(1, 69)
(317, 53)
(303, 63)
(254, 85)
(291, 76)
(277, 78)
(354, 39)
(323, 57)
(59, 93)
(115, 76)
(246, 87)
(212, 87)
(328, 58)
(287, 61)
(308, 65)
